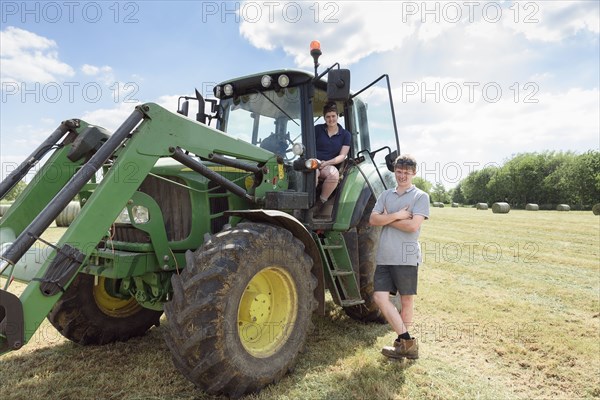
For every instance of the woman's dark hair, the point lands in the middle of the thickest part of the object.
(329, 107)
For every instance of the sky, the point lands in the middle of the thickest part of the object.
(473, 82)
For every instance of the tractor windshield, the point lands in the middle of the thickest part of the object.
(269, 119)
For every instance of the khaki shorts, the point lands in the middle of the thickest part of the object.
(396, 278)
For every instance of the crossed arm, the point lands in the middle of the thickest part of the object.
(403, 220)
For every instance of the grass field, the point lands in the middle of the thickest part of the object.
(508, 308)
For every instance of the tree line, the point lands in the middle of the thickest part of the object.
(546, 179)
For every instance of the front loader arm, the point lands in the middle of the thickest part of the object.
(135, 152)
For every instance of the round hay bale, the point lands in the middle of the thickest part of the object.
(67, 215)
(500, 208)
(532, 207)
(438, 204)
(595, 209)
(563, 207)
(4, 208)
(454, 205)
(481, 206)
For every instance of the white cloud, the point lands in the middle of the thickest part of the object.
(109, 118)
(453, 135)
(104, 74)
(348, 31)
(473, 134)
(554, 21)
(89, 69)
(351, 31)
(170, 102)
(27, 57)
(112, 118)
(92, 70)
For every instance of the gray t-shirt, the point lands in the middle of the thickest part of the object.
(395, 246)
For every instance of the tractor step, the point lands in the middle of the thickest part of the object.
(341, 273)
(350, 303)
(344, 283)
(317, 224)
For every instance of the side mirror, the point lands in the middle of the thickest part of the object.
(338, 84)
(201, 115)
(185, 106)
(389, 160)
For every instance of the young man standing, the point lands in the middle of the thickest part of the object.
(400, 211)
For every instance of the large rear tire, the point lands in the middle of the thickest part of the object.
(89, 314)
(241, 310)
(368, 238)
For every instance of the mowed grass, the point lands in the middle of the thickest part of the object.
(508, 308)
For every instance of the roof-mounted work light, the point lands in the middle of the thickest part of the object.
(315, 52)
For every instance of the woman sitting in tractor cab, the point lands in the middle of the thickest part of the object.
(333, 145)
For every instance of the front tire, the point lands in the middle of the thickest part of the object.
(241, 310)
(89, 314)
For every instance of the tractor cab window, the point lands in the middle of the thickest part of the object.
(362, 124)
(269, 119)
(374, 120)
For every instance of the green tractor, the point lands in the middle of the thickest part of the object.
(206, 219)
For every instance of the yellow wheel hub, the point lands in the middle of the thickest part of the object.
(267, 312)
(113, 306)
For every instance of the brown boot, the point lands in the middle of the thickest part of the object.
(405, 348)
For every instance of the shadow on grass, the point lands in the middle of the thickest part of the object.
(341, 360)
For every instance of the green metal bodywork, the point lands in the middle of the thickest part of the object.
(145, 268)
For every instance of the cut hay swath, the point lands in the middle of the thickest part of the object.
(481, 206)
(532, 207)
(563, 207)
(500, 208)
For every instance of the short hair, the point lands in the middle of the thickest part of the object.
(329, 107)
(406, 160)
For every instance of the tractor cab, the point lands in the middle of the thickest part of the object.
(278, 110)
